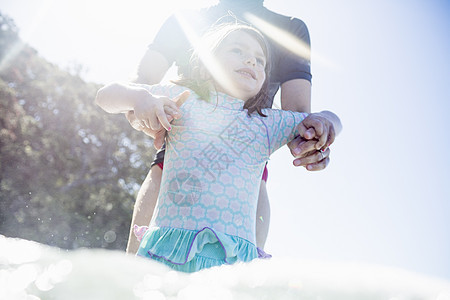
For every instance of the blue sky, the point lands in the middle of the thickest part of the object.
(385, 197)
(382, 66)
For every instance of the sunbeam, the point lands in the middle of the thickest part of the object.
(287, 40)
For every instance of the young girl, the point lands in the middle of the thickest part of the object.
(216, 151)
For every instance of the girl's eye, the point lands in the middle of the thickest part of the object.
(236, 50)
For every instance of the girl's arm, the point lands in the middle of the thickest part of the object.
(118, 98)
(282, 127)
(150, 111)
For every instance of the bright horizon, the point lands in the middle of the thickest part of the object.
(382, 67)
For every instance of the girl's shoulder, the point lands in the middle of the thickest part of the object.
(281, 114)
(170, 90)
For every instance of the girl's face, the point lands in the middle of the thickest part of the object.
(243, 62)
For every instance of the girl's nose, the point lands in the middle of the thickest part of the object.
(251, 60)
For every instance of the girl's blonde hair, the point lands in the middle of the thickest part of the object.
(198, 78)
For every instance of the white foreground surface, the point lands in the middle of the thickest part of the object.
(33, 271)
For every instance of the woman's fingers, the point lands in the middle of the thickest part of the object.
(314, 160)
(319, 165)
(300, 147)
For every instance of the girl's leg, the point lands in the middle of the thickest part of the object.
(262, 216)
(145, 205)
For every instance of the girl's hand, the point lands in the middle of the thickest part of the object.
(157, 135)
(318, 126)
(311, 148)
(161, 111)
(153, 111)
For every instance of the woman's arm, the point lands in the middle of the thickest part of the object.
(296, 96)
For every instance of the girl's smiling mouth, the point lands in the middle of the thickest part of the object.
(247, 73)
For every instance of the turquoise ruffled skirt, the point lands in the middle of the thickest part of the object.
(190, 250)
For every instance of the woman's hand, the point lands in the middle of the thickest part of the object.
(306, 154)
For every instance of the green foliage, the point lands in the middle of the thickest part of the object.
(69, 172)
